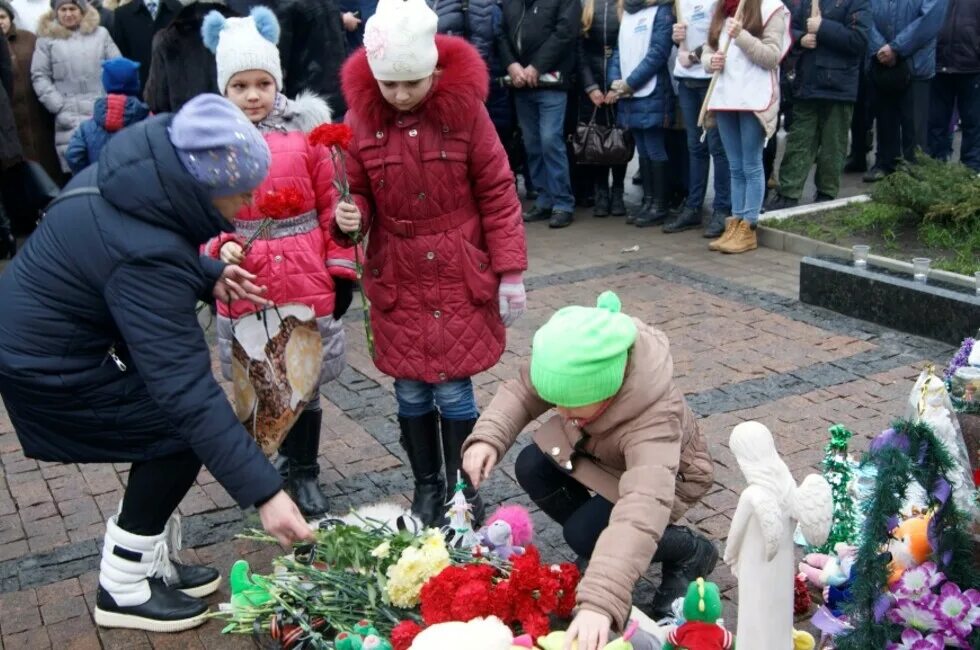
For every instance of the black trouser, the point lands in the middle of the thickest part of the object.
(154, 490)
(565, 500)
(903, 123)
(863, 117)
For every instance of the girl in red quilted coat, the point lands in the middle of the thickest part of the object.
(296, 257)
(433, 192)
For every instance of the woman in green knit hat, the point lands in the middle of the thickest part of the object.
(620, 462)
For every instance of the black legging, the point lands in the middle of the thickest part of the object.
(154, 490)
(600, 175)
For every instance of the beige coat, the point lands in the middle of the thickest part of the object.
(767, 53)
(650, 459)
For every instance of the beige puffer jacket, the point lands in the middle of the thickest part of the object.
(767, 53)
(650, 459)
(67, 72)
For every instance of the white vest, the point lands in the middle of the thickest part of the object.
(697, 15)
(634, 43)
(744, 86)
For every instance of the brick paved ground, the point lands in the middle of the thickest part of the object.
(743, 348)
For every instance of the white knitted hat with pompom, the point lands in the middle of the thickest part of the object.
(241, 44)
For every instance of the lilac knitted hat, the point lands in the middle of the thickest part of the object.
(219, 147)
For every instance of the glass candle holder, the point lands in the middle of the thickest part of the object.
(920, 268)
(976, 281)
(860, 255)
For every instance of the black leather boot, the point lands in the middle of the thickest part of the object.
(659, 209)
(601, 208)
(454, 434)
(617, 203)
(685, 556)
(302, 444)
(420, 440)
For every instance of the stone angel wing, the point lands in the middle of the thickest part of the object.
(813, 507)
(757, 504)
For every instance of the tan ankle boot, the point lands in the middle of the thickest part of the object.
(730, 224)
(742, 240)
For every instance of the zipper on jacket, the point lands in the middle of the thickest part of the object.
(111, 354)
(520, 28)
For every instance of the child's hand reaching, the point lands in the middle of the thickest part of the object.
(348, 217)
(232, 253)
(513, 297)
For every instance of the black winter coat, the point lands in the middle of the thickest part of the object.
(451, 16)
(181, 67)
(542, 33)
(11, 152)
(596, 46)
(958, 49)
(121, 272)
(312, 46)
(133, 29)
(830, 71)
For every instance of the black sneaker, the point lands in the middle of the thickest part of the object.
(560, 219)
(687, 219)
(874, 175)
(167, 610)
(716, 225)
(537, 213)
(780, 202)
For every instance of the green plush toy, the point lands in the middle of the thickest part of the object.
(245, 593)
(363, 637)
(700, 631)
(556, 640)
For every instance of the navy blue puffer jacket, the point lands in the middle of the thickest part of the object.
(121, 273)
(656, 109)
(451, 19)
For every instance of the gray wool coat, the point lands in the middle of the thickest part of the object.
(67, 72)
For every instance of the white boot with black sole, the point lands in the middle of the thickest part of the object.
(137, 585)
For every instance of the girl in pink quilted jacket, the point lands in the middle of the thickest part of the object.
(434, 194)
(295, 257)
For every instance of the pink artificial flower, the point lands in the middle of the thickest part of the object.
(375, 42)
(917, 614)
(913, 640)
(957, 610)
(919, 581)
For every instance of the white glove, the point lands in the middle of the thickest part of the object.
(513, 297)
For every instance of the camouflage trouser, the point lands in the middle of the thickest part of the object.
(819, 133)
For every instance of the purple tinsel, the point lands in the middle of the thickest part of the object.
(959, 359)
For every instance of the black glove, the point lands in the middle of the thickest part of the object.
(343, 296)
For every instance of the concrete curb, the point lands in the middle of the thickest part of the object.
(806, 247)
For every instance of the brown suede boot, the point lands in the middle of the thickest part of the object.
(730, 224)
(742, 240)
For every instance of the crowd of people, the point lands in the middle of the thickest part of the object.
(839, 79)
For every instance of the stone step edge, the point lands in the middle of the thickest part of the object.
(806, 247)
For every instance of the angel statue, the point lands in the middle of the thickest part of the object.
(760, 541)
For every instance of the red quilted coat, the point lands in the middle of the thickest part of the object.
(442, 216)
(301, 258)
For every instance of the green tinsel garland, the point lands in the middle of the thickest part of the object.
(895, 471)
(837, 471)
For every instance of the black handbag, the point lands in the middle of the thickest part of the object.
(598, 144)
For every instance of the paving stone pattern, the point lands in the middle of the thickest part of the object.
(743, 348)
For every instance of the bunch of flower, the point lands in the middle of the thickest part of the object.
(524, 598)
(959, 359)
(274, 204)
(801, 596)
(933, 607)
(416, 566)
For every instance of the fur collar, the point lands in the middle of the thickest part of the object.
(462, 81)
(49, 27)
(302, 114)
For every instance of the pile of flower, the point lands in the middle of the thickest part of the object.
(934, 611)
(524, 597)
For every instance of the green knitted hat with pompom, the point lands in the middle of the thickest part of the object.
(579, 356)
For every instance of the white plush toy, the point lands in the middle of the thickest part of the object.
(389, 515)
(478, 634)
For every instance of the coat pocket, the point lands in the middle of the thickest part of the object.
(481, 282)
(379, 282)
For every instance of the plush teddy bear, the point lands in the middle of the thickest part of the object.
(909, 546)
(478, 634)
(500, 540)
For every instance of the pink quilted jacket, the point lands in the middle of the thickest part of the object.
(299, 267)
(442, 216)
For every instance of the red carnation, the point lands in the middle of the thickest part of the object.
(280, 204)
(536, 624)
(331, 135)
(502, 603)
(403, 635)
(801, 596)
(472, 600)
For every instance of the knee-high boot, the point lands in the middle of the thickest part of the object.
(301, 446)
(685, 556)
(454, 434)
(420, 440)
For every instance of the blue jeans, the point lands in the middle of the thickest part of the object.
(949, 92)
(455, 399)
(650, 143)
(541, 114)
(701, 154)
(743, 137)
